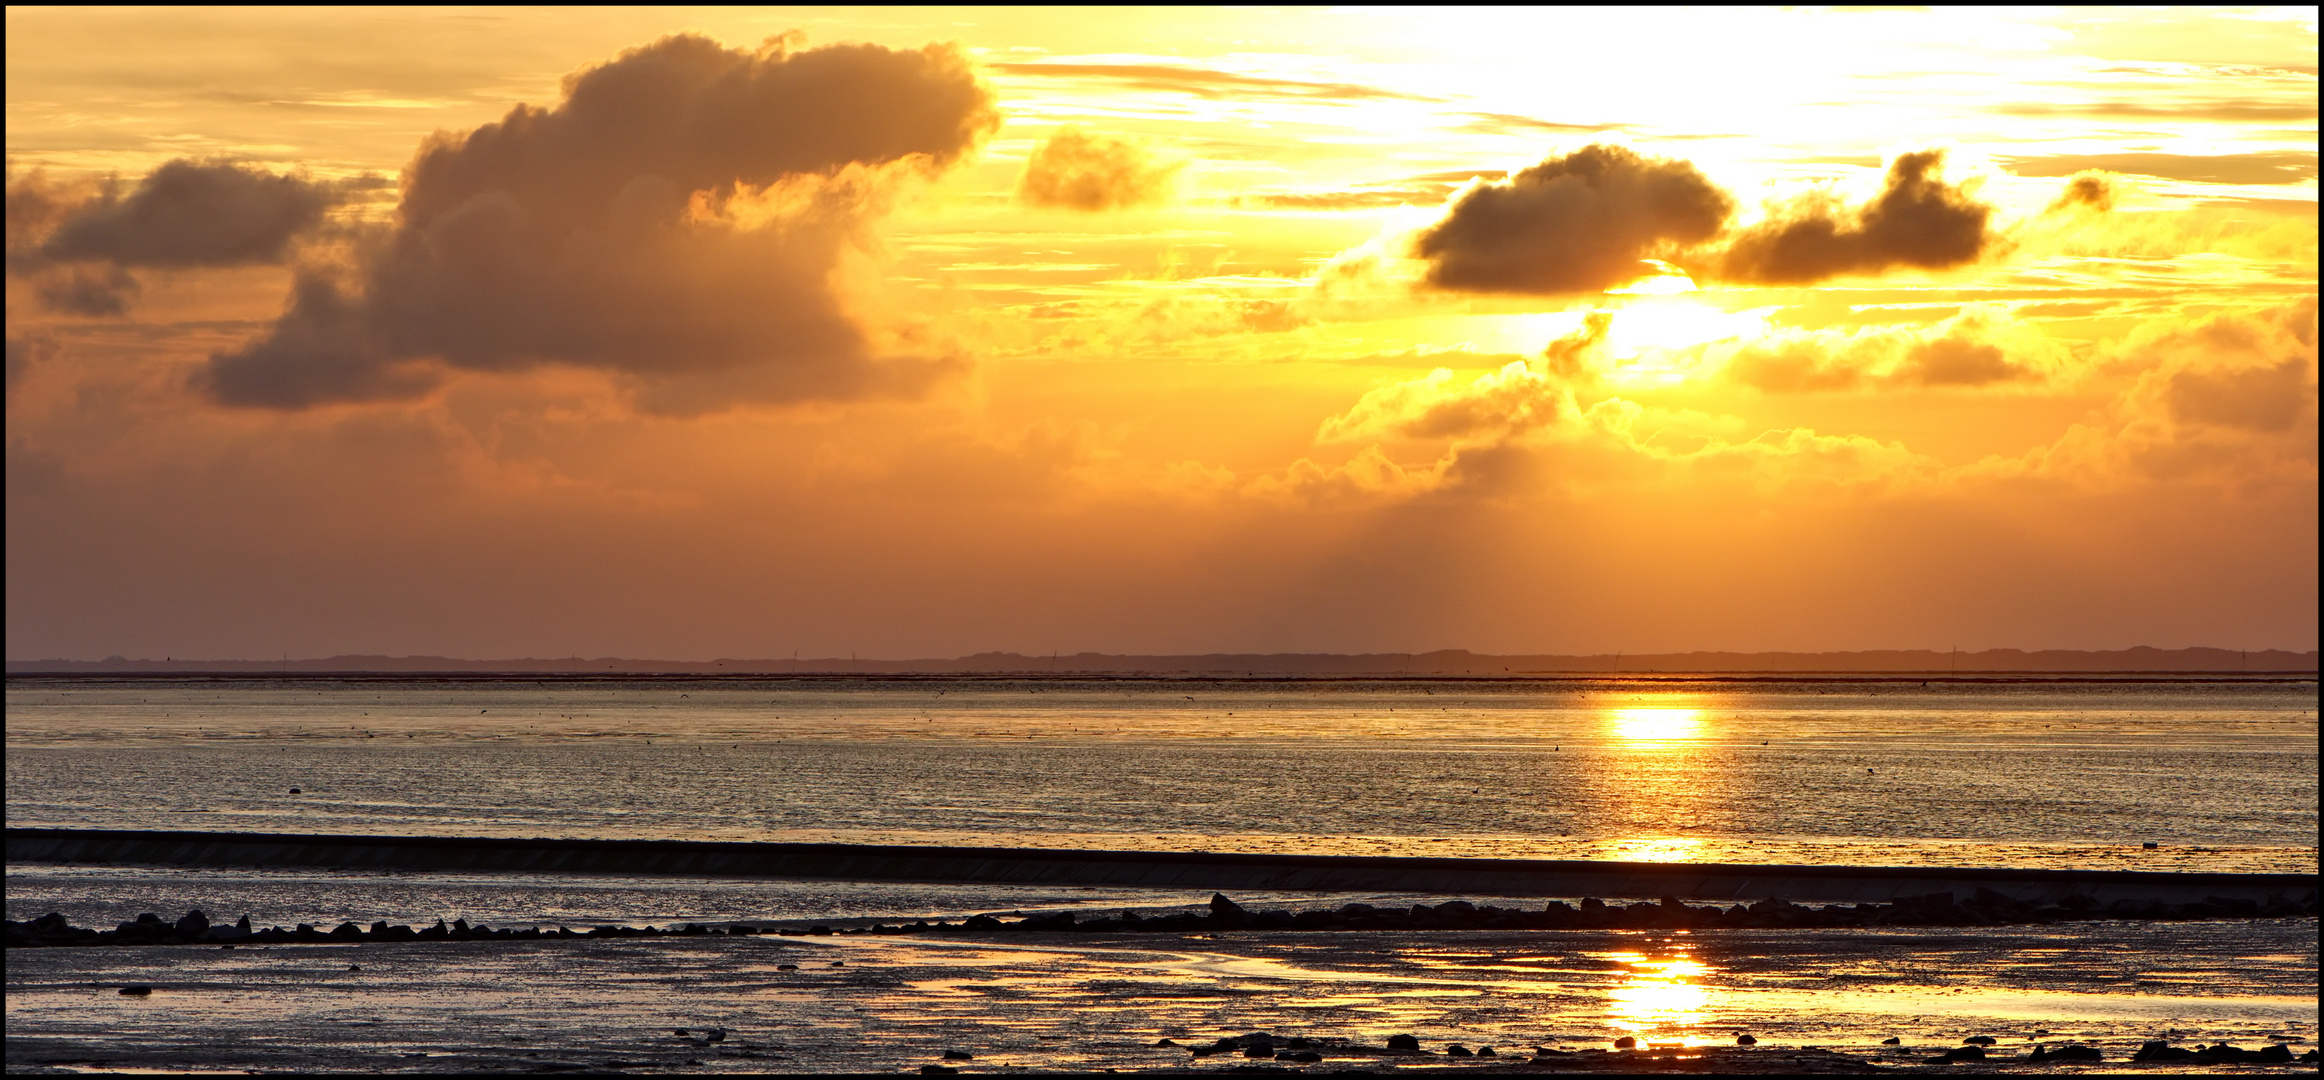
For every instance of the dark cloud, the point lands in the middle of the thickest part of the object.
(1916, 220)
(77, 243)
(188, 214)
(2272, 167)
(678, 220)
(1210, 82)
(25, 351)
(1574, 224)
(1082, 170)
(2090, 190)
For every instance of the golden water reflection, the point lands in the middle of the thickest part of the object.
(1659, 998)
(1656, 728)
(1658, 849)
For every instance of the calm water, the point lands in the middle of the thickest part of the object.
(2220, 776)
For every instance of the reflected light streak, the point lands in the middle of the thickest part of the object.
(1655, 728)
(1657, 995)
(1659, 849)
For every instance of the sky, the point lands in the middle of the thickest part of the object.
(917, 333)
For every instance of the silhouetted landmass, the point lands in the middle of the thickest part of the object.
(1441, 662)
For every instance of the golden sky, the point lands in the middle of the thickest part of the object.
(920, 332)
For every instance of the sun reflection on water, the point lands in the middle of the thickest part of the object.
(1658, 997)
(1656, 728)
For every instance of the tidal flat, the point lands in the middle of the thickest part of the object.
(1077, 1002)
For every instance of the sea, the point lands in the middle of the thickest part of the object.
(2162, 772)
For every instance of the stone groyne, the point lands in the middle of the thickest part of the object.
(1142, 869)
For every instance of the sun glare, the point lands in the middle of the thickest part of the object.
(1658, 727)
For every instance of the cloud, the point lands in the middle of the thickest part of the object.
(1210, 82)
(1980, 346)
(2186, 111)
(2267, 167)
(689, 220)
(2226, 401)
(25, 351)
(77, 243)
(1520, 397)
(1916, 220)
(1574, 224)
(2092, 190)
(1080, 170)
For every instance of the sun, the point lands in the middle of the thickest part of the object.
(1659, 319)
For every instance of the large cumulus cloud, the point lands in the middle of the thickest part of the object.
(682, 220)
(76, 243)
(1579, 223)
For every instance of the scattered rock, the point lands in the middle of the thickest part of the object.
(1165, 1042)
(136, 991)
(1980, 1040)
(1403, 1042)
(958, 1055)
(1459, 1051)
(1625, 1043)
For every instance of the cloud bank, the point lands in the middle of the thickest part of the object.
(682, 220)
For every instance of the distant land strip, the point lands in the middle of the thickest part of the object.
(1443, 662)
(1129, 869)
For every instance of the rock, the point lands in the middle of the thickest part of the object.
(786, 967)
(354, 967)
(1980, 1040)
(1892, 1041)
(925, 1070)
(194, 924)
(136, 991)
(1165, 1042)
(958, 1055)
(1745, 1040)
(682, 1033)
(2076, 1052)
(2277, 1053)
(716, 1034)
(348, 931)
(1958, 1053)
(981, 922)
(1304, 1057)
(1403, 1042)
(1459, 1051)
(1625, 1043)
(1487, 1052)
(1225, 910)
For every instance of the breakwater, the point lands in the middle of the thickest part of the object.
(1140, 869)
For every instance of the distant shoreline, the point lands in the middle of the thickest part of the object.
(1899, 663)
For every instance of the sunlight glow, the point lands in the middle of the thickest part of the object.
(1658, 727)
(1667, 321)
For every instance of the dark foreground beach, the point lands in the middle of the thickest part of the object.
(1043, 1001)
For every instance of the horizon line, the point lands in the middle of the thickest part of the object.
(2138, 658)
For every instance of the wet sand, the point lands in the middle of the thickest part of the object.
(1089, 1002)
